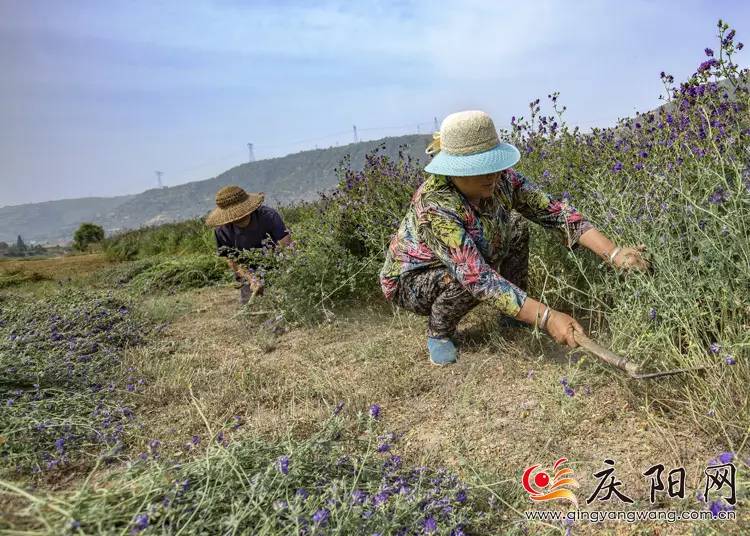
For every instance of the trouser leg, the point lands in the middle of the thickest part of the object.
(245, 293)
(436, 294)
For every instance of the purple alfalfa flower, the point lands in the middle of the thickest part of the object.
(568, 523)
(140, 522)
(383, 447)
(338, 407)
(709, 52)
(729, 360)
(566, 196)
(652, 314)
(461, 496)
(184, 486)
(638, 166)
(564, 380)
(302, 493)
(429, 525)
(60, 445)
(718, 196)
(321, 516)
(458, 531)
(740, 46)
(359, 496)
(617, 166)
(10, 401)
(718, 506)
(375, 411)
(283, 465)
(568, 391)
(392, 464)
(220, 437)
(380, 498)
(706, 65)
(237, 422)
(714, 348)
(725, 457)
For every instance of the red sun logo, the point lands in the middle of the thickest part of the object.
(544, 490)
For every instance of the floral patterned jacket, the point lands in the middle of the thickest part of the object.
(441, 227)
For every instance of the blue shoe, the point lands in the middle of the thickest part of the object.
(442, 351)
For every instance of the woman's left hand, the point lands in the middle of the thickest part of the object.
(631, 258)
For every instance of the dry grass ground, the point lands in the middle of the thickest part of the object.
(56, 269)
(498, 410)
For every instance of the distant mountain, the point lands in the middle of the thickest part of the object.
(295, 177)
(54, 220)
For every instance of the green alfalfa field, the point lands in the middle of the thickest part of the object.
(137, 397)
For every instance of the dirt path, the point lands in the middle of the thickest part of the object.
(500, 409)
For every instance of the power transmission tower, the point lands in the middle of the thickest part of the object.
(418, 128)
(436, 125)
(158, 178)
(355, 134)
(251, 154)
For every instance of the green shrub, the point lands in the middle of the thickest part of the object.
(340, 244)
(180, 273)
(87, 234)
(187, 237)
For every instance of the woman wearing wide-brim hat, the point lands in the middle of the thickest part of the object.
(463, 241)
(242, 221)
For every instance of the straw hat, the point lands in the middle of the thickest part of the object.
(232, 204)
(467, 144)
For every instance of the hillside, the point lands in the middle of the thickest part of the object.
(294, 177)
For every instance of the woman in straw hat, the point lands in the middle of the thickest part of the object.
(462, 240)
(243, 222)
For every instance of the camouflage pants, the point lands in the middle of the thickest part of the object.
(436, 294)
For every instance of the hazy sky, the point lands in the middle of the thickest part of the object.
(95, 96)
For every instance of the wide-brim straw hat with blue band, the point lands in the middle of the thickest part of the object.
(467, 144)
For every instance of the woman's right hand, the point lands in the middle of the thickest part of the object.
(561, 326)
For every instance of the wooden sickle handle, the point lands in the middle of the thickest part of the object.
(606, 355)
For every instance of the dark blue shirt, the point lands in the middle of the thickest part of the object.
(264, 222)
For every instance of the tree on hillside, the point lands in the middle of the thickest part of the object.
(87, 234)
(20, 245)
